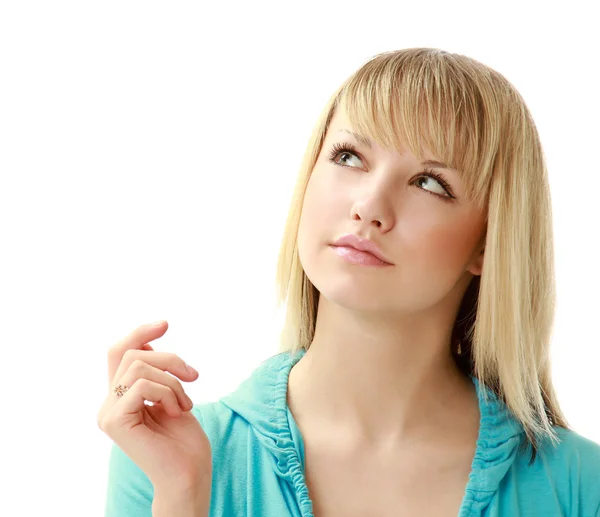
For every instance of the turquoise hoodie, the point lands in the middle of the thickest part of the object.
(258, 461)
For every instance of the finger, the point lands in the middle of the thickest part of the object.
(133, 401)
(165, 361)
(141, 370)
(133, 341)
(144, 389)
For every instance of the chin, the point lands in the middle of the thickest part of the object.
(357, 303)
(352, 297)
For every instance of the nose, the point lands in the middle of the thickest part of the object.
(373, 210)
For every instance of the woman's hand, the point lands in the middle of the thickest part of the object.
(165, 440)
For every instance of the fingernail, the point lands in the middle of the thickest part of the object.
(190, 403)
(190, 369)
(157, 323)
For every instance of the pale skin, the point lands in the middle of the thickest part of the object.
(389, 421)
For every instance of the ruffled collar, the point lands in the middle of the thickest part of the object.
(262, 401)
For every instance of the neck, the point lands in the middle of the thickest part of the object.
(377, 382)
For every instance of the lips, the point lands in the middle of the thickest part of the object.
(365, 245)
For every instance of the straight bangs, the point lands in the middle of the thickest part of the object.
(426, 101)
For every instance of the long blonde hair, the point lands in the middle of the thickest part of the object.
(473, 119)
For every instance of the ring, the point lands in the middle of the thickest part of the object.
(120, 390)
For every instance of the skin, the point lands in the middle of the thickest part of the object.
(379, 374)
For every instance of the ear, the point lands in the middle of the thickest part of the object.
(476, 265)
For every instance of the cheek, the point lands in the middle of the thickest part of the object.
(446, 245)
(308, 230)
(319, 211)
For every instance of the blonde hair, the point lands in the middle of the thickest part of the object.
(473, 119)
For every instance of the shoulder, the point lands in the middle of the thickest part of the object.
(576, 452)
(215, 418)
(582, 457)
(231, 443)
(572, 440)
(574, 464)
(226, 430)
(211, 413)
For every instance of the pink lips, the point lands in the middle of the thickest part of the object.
(360, 251)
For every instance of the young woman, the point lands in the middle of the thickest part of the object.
(414, 374)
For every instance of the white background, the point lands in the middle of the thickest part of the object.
(148, 152)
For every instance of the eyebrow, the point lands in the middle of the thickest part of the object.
(367, 143)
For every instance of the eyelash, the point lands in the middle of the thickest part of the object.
(339, 148)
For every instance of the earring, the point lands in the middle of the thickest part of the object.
(459, 349)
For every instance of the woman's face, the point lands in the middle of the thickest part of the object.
(431, 234)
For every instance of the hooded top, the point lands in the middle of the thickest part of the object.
(258, 461)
